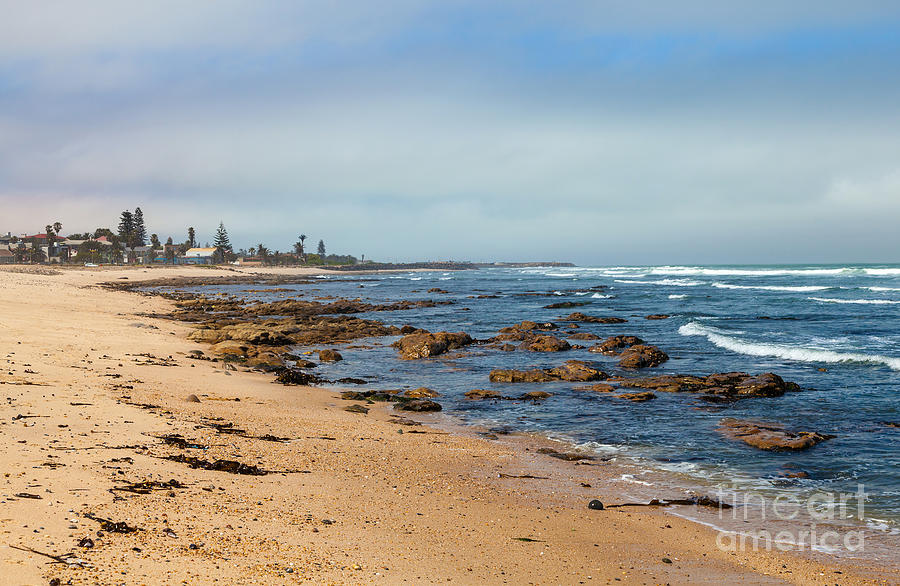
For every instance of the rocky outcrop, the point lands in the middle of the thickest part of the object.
(571, 371)
(637, 397)
(536, 396)
(424, 345)
(584, 336)
(769, 436)
(418, 406)
(592, 319)
(720, 387)
(658, 316)
(642, 356)
(545, 343)
(520, 376)
(577, 371)
(567, 304)
(421, 393)
(330, 355)
(479, 394)
(615, 344)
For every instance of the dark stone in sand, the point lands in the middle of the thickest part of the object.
(293, 376)
(567, 456)
(595, 505)
(356, 409)
(192, 399)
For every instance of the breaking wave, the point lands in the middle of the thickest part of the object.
(670, 282)
(855, 301)
(708, 271)
(682, 296)
(797, 353)
(801, 288)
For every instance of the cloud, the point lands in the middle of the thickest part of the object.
(477, 129)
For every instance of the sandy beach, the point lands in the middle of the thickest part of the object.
(90, 384)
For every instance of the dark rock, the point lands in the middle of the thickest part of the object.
(719, 387)
(479, 394)
(356, 409)
(771, 437)
(536, 396)
(642, 356)
(578, 316)
(577, 371)
(418, 405)
(330, 355)
(659, 316)
(567, 304)
(615, 344)
(595, 505)
(423, 345)
(637, 397)
(567, 456)
(421, 393)
(545, 343)
(520, 376)
(584, 336)
(294, 376)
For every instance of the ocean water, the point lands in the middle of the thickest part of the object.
(791, 320)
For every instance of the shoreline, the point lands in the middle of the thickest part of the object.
(387, 493)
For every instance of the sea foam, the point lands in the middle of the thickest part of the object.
(797, 353)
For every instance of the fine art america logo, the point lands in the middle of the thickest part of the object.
(791, 523)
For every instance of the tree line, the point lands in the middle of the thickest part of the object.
(132, 234)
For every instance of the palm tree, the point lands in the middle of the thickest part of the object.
(263, 253)
(252, 251)
(301, 248)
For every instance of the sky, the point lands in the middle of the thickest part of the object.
(600, 132)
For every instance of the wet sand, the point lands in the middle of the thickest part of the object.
(351, 499)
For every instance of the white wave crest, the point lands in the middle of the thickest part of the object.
(882, 272)
(707, 271)
(669, 282)
(855, 301)
(598, 296)
(800, 288)
(682, 296)
(882, 288)
(797, 353)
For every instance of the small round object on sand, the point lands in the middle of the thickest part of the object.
(595, 505)
(192, 398)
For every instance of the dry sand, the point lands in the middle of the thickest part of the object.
(363, 503)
